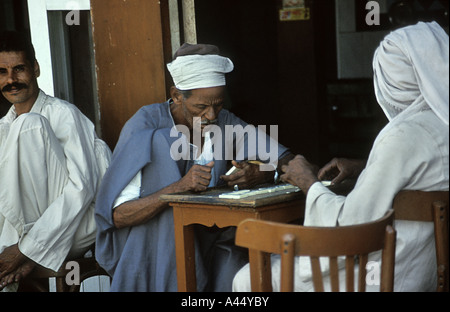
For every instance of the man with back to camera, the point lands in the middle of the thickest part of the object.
(411, 80)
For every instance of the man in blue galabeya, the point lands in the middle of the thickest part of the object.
(135, 239)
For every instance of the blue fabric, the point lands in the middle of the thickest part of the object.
(142, 258)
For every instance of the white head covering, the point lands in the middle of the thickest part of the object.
(199, 70)
(411, 71)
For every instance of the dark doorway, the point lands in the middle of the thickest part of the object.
(281, 67)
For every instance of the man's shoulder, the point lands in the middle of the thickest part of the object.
(420, 132)
(158, 109)
(61, 113)
(52, 103)
(151, 116)
(424, 123)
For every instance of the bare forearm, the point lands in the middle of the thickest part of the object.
(141, 210)
(300, 172)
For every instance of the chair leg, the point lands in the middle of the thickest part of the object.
(441, 237)
(61, 285)
(34, 285)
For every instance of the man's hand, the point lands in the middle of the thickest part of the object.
(299, 172)
(339, 169)
(197, 179)
(139, 211)
(14, 266)
(10, 259)
(247, 176)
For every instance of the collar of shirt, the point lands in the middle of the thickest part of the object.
(40, 101)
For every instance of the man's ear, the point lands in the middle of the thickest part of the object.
(37, 69)
(176, 95)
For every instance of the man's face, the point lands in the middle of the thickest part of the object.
(205, 103)
(18, 78)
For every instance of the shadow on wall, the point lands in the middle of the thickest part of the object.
(4, 106)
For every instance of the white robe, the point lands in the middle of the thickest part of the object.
(51, 164)
(410, 153)
(417, 149)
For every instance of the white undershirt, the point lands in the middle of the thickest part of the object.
(133, 190)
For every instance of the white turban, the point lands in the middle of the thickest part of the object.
(199, 71)
(411, 71)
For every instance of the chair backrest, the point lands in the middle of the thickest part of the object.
(264, 237)
(429, 207)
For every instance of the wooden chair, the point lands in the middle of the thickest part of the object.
(429, 207)
(38, 279)
(263, 238)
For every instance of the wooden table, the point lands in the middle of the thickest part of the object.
(208, 209)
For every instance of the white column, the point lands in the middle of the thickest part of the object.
(37, 11)
(190, 32)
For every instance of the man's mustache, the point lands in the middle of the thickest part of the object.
(16, 85)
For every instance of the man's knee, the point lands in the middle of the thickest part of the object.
(34, 130)
(30, 121)
(32, 127)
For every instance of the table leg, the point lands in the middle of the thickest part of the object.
(185, 256)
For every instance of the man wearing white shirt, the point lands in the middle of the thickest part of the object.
(51, 163)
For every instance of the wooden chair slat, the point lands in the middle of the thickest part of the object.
(290, 240)
(334, 274)
(429, 207)
(350, 273)
(317, 274)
